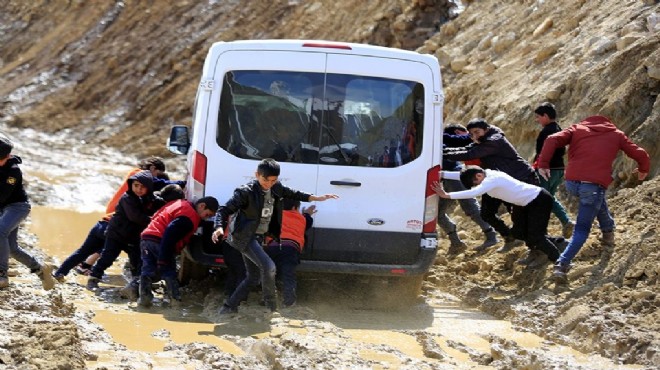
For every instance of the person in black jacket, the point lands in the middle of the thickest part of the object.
(545, 114)
(132, 215)
(14, 209)
(496, 153)
(254, 212)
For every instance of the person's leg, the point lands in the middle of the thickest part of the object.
(538, 215)
(447, 224)
(92, 244)
(287, 269)
(12, 216)
(591, 198)
(257, 264)
(235, 268)
(111, 250)
(489, 209)
(149, 255)
(551, 185)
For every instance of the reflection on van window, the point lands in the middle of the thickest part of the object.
(329, 119)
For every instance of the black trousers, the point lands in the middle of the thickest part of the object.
(530, 223)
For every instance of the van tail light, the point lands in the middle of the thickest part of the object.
(198, 175)
(431, 203)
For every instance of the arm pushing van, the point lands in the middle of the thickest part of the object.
(360, 121)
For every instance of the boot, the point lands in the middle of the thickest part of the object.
(607, 240)
(172, 288)
(131, 290)
(4, 280)
(93, 283)
(531, 257)
(560, 273)
(146, 296)
(491, 239)
(227, 309)
(45, 273)
(509, 243)
(456, 245)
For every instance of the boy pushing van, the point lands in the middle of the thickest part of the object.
(256, 212)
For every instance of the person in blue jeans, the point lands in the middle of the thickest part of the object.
(593, 146)
(14, 209)
(253, 212)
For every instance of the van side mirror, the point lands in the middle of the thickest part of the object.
(179, 140)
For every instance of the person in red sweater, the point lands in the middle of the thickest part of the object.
(285, 252)
(165, 236)
(593, 146)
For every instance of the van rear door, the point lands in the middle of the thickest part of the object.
(375, 148)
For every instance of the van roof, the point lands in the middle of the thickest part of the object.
(321, 46)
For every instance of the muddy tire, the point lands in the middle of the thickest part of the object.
(397, 292)
(189, 270)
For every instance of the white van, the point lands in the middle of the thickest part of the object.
(360, 121)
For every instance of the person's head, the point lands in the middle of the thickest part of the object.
(267, 173)
(171, 192)
(206, 207)
(153, 164)
(545, 113)
(6, 147)
(472, 176)
(290, 204)
(141, 183)
(455, 129)
(477, 128)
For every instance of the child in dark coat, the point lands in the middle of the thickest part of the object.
(123, 234)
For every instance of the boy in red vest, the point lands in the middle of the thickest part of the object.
(286, 252)
(168, 232)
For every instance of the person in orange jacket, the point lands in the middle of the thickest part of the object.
(285, 252)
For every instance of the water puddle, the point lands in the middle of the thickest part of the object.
(442, 318)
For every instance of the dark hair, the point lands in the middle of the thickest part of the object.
(453, 127)
(289, 204)
(478, 123)
(5, 147)
(546, 108)
(171, 192)
(468, 174)
(157, 162)
(210, 202)
(268, 167)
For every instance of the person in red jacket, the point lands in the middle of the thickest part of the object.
(593, 146)
(285, 252)
(165, 236)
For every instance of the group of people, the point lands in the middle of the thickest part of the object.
(527, 191)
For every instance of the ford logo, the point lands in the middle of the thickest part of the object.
(375, 221)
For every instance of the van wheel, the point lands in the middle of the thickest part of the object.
(397, 292)
(189, 270)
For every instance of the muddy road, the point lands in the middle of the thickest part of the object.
(330, 327)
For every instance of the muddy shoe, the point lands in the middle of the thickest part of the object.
(93, 283)
(59, 277)
(45, 273)
(226, 310)
(531, 257)
(130, 291)
(491, 240)
(567, 229)
(146, 295)
(540, 261)
(172, 288)
(560, 273)
(4, 280)
(509, 243)
(607, 239)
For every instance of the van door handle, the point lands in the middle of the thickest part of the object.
(345, 183)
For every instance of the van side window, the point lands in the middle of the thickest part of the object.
(331, 119)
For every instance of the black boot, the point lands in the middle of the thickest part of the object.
(172, 288)
(146, 296)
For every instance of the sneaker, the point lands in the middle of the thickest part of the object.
(491, 240)
(93, 283)
(540, 261)
(45, 273)
(567, 229)
(130, 291)
(226, 310)
(456, 248)
(4, 280)
(560, 273)
(509, 243)
(531, 257)
(59, 277)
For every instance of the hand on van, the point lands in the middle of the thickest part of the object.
(321, 198)
(437, 187)
(217, 235)
(309, 210)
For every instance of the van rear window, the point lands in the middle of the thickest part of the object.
(329, 119)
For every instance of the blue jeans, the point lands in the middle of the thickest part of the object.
(111, 250)
(286, 258)
(92, 244)
(551, 185)
(150, 251)
(11, 217)
(257, 264)
(593, 205)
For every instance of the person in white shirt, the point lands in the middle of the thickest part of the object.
(532, 206)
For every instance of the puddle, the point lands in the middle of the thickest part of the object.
(60, 231)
